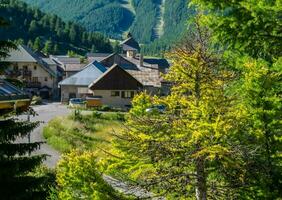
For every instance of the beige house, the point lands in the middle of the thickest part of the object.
(76, 86)
(38, 74)
(114, 79)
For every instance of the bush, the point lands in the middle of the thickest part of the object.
(78, 178)
(105, 108)
(96, 115)
(114, 116)
(36, 100)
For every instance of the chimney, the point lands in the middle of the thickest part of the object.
(141, 59)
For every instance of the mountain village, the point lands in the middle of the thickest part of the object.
(111, 79)
(140, 99)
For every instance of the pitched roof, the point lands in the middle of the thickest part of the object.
(10, 92)
(22, 54)
(85, 77)
(130, 44)
(119, 60)
(121, 79)
(25, 54)
(66, 59)
(161, 62)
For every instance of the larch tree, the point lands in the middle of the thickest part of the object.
(184, 150)
(251, 32)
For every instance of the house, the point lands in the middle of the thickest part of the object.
(146, 70)
(68, 65)
(76, 86)
(12, 98)
(116, 78)
(38, 74)
(116, 87)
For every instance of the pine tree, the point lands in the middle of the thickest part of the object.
(30, 44)
(56, 49)
(33, 28)
(37, 44)
(93, 49)
(116, 47)
(73, 33)
(48, 47)
(15, 163)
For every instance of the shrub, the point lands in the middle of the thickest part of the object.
(96, 115)
(36, 100)
(78, 178)
(105, 108)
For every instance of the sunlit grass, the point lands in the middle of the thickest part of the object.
(89, 132)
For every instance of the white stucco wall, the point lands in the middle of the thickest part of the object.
(39, 72)
(109, 100)
(79, 92)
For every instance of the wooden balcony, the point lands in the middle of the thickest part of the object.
(33, 84)
(26, 73)
(14, 73)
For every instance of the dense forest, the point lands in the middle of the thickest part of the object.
(48, 32)
(114, 17)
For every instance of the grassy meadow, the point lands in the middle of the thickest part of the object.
(83, 132)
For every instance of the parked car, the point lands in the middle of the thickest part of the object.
(76, 102)
(156, 108)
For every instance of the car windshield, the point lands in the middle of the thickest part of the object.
(76, 100)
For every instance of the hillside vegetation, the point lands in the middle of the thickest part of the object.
(48, 32)
(115, 17)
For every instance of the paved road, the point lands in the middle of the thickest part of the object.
(45, 114)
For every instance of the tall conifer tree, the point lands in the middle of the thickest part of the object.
(16, 182)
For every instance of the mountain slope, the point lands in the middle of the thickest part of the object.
(48, 32)
(107, 16)
(146, 19)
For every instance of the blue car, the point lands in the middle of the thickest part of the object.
(76, 102)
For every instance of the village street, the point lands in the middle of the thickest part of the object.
(45, 113)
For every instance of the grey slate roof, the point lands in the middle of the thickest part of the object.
(22, 54)
(10, 92)
(85, 77)
(161, 62)
(130, 44)
(25, 54)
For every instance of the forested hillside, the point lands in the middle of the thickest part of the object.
(48, 32)
(148, 20)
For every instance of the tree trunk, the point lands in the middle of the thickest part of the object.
(201, 188)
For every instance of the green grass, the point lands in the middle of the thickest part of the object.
(83, 132)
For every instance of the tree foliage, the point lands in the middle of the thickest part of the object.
(78, 177)
(186, 150)
(35, 27)
(220, 136)
(252, 27)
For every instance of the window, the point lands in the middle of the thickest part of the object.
(46, 78)
(35, 79)
(25, 67)
(115, 93)
(127, 94)
(35, 67)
